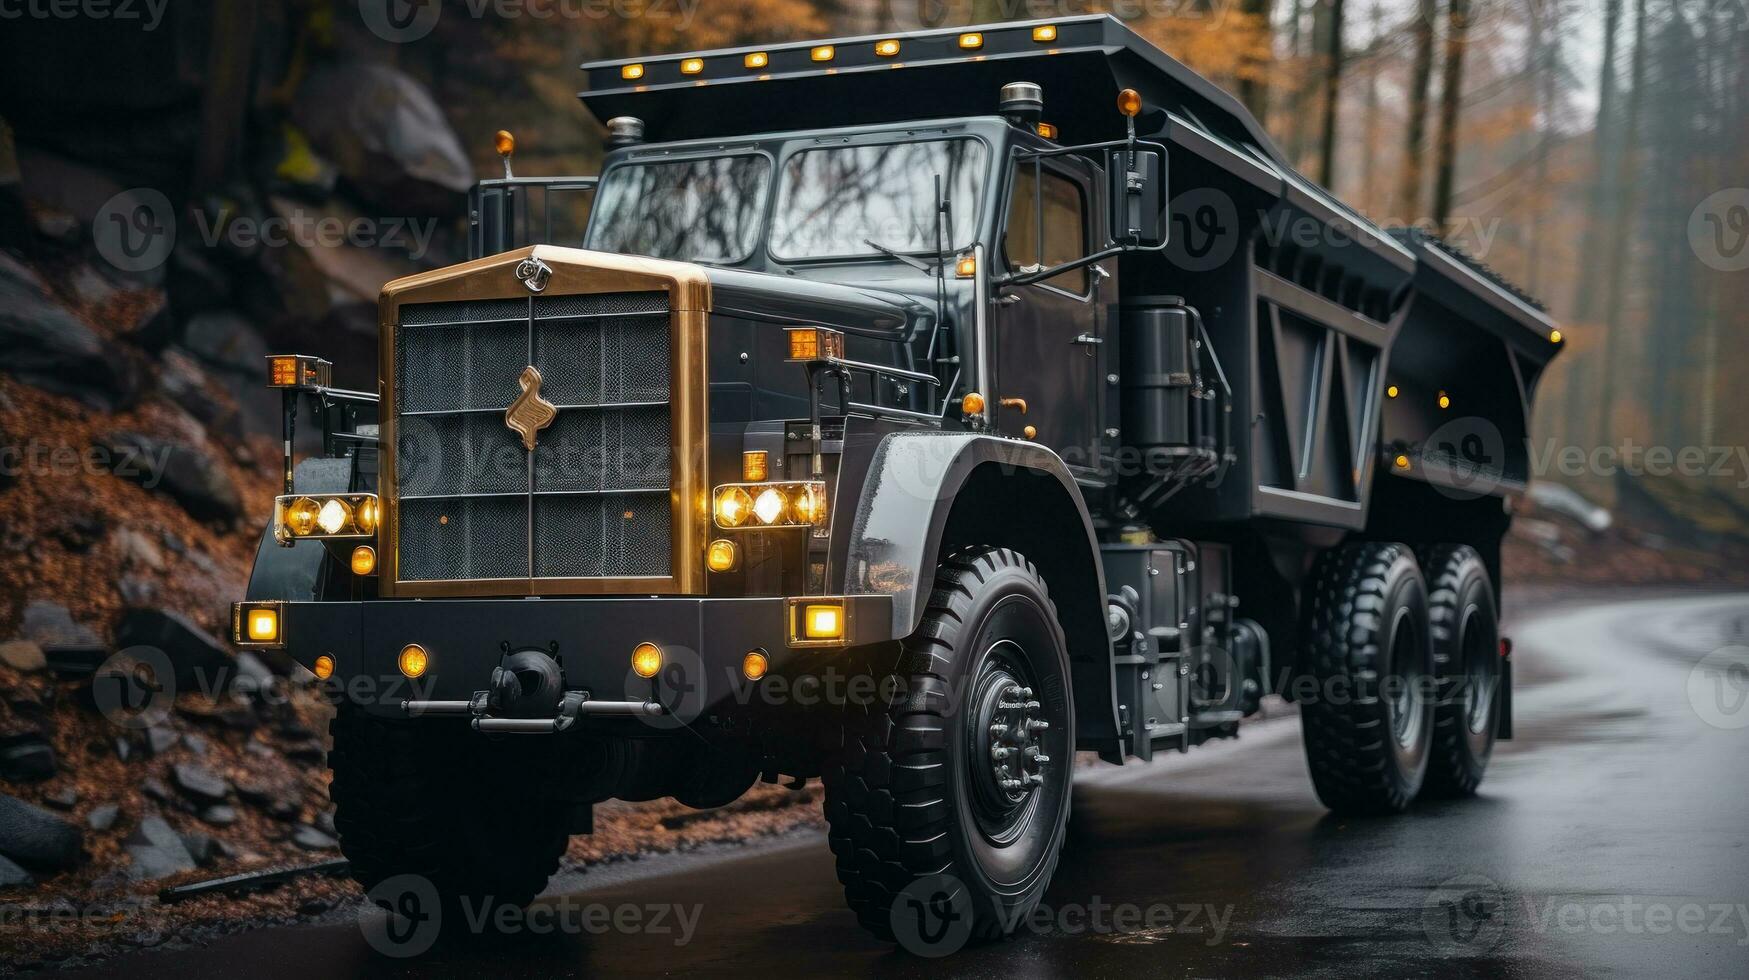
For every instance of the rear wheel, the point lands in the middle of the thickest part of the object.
(1466, 660)
(1368, 728)
(948, 803)
(429, 809)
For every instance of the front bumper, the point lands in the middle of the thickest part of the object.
(703, 642)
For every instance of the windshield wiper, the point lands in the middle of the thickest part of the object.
(887, 250)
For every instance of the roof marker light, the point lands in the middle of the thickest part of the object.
(692, 66)
(1045, 34)
(887, 49)
(824, 52)
(972, 40)
(757, 59)
(630, 72)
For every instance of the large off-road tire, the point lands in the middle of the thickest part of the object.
(434, 799)
(915, 799)
(1367, 645)
(1466, 659)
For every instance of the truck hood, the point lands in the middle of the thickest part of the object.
(853, 309)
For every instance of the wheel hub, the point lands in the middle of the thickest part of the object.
(1013, 726)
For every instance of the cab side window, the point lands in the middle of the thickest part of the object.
(1047, 225)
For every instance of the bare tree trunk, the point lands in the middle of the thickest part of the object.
(1603, 148)
(1450, 100)
(1621, 230)
(1254, 92)
(225, 107)
(1420, 77)
(1332, 93)
(1370, 123)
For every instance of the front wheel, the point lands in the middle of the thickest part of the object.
(948, 803)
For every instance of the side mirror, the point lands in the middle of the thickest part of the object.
(1138, 199)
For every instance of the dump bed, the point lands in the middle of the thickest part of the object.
(1349, 351)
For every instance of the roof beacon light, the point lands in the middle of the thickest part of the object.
(1022, 103)
(624, 131)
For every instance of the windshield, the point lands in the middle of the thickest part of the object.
(832, 201)
(705, 210)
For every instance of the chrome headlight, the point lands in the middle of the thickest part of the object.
(338, 515)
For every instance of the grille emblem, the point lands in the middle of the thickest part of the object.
(530, 413)
(533, 273)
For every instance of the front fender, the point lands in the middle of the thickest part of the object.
(1021, 496)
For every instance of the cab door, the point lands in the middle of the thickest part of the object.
(1049, 335)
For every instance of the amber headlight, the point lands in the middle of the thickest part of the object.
(258, 624)
(341, 515)
(761, 505)
(733, 506)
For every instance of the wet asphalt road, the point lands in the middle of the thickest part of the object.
(1609, 840)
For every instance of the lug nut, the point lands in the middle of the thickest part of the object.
(999, 729)
(1001, 752)
(1038, 725)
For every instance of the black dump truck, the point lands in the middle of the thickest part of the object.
(912, 412)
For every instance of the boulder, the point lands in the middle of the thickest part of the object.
(387, 137)
(157, 851)
(228, 341)
(23, 656)
(49, 348)
(13, 876)
(37, 838)
(200, 659)
(219, 815)
(199, 783)
(26, 757)
(186, 473)
(65, 798)
(311, 839)
(160, 739)
(103, 817)
(68, 647)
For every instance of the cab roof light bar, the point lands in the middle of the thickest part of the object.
(816, 57)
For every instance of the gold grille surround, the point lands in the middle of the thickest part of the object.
(574, 272)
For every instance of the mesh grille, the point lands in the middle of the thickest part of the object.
(464, 538)
(605, 449)
(602, 470)
(603, 535)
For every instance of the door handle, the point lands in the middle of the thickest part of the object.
(1014, 403)
(1089, 340)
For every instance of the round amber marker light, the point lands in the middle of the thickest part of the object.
(413, 660)
(324, 667)
(364, 560)
(721, 556)
(1391, 392)
(1129, 102)
(646, 659)
(755, 665)
(504, 143)
(1402, 462)
(972, 404)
